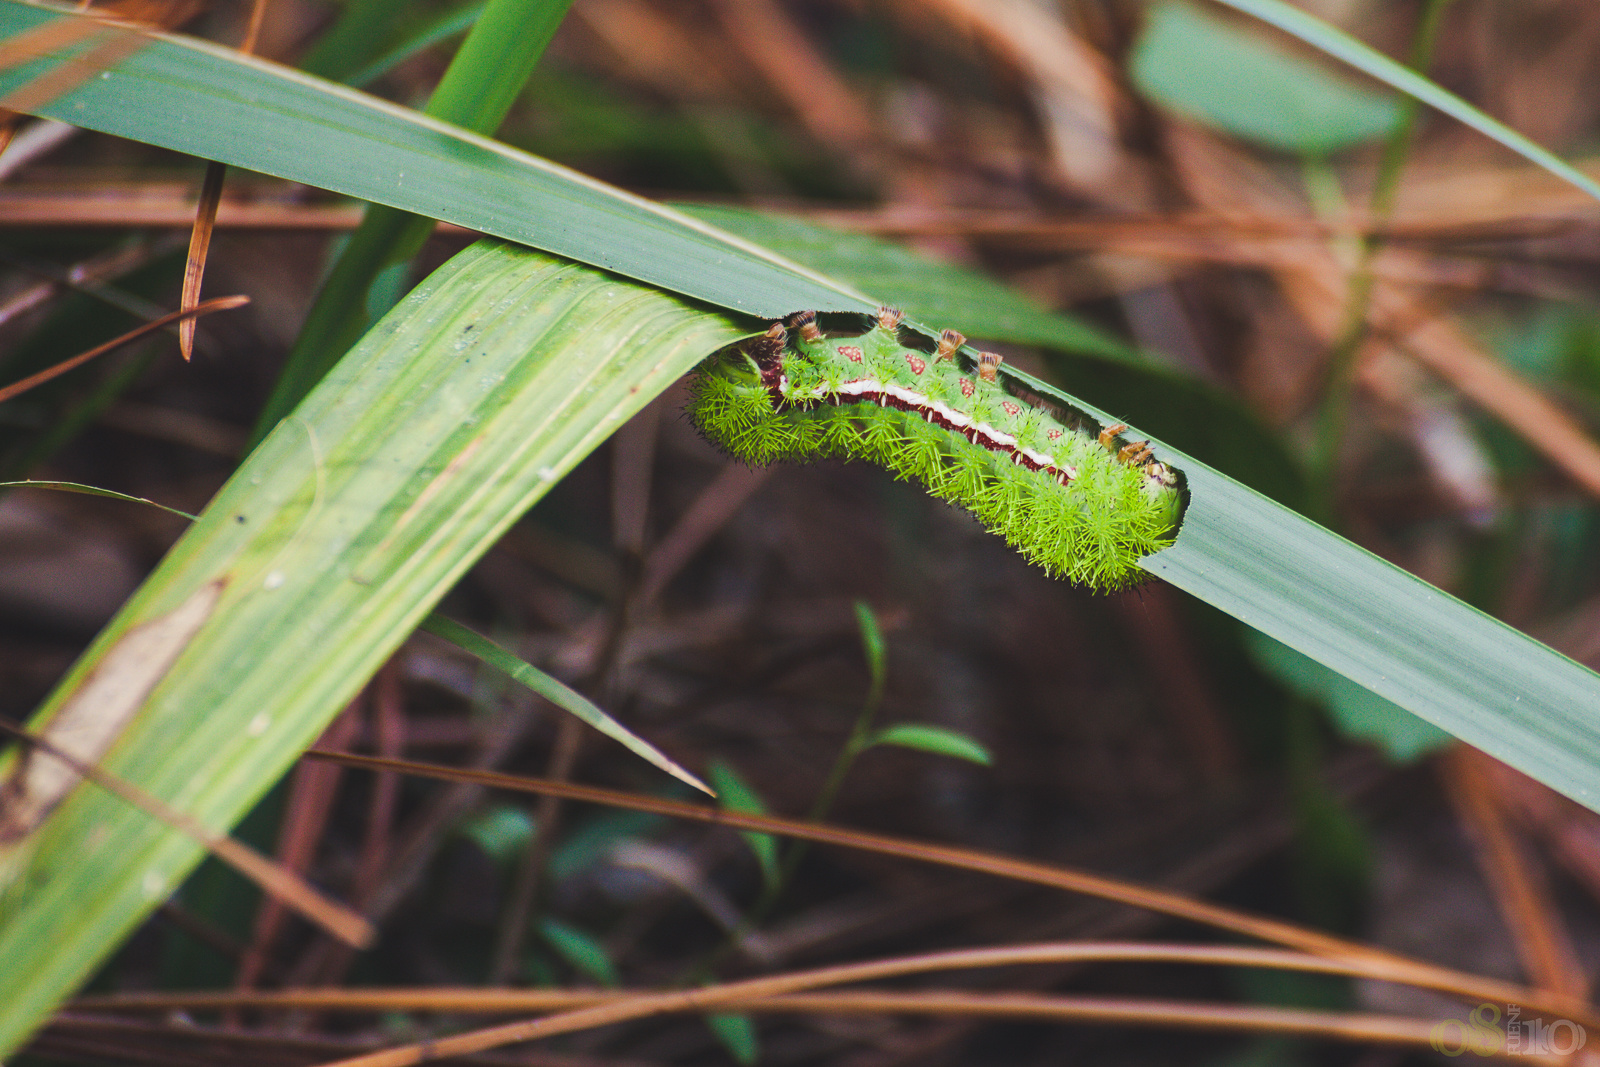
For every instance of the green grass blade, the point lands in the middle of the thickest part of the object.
(557, 693)
(435, 29)
(919, 286)
(208, 101)
(352, 40)
(940, 740)
(1368, 60)
(475, 93)
(1488, 684)
(91, 490)
(331, 542)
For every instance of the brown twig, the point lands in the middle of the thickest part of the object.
(1387, 965)
(221, 303)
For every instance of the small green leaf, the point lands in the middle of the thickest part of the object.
(737, 1034)
(1218, 73)
(502, 831)
(595, 839)
(1369, 60)
(583, 952)
(555, 692)
(872, 644)
(735, 794)
(1356, 710)
(90, 490)
(936, 739)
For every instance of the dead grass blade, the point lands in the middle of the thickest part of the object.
(110, 44)
(273, 879)
(1386, 966)
(746, 992)
(1104, 1011)
(221, 303)
(507, 1001)
(1515, 877)
(194, 268)
(205, 214)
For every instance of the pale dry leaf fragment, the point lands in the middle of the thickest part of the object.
(92, 719)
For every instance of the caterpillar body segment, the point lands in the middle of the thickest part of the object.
(1085, 506)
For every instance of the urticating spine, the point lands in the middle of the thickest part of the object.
(1084, 507)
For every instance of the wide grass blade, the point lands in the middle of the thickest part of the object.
(477, 90)
(194, 97)
(1488, 684)
(329, 545)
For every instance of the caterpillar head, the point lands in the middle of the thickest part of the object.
(1158, 476)
(989, 365)
(766, 352)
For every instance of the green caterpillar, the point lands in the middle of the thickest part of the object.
(1081, 503)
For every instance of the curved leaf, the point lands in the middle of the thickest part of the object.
(329, 545)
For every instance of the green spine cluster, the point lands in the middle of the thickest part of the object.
(1091, 531)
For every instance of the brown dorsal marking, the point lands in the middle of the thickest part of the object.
(806, 323)
(1135, 454)
(989, 365)
(1108, 436)
(949, 341)
(890, 318)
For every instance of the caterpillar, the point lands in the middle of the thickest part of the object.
(1072, 497)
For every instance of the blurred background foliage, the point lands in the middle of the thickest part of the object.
(1368, 314)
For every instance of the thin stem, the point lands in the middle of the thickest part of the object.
(1335, 413)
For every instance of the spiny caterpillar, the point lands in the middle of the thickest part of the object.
(1082, 504)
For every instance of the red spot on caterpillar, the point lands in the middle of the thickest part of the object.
(850, 352)
(1053, 435)
(1009, 408)
(966, 387)
(918, 365)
